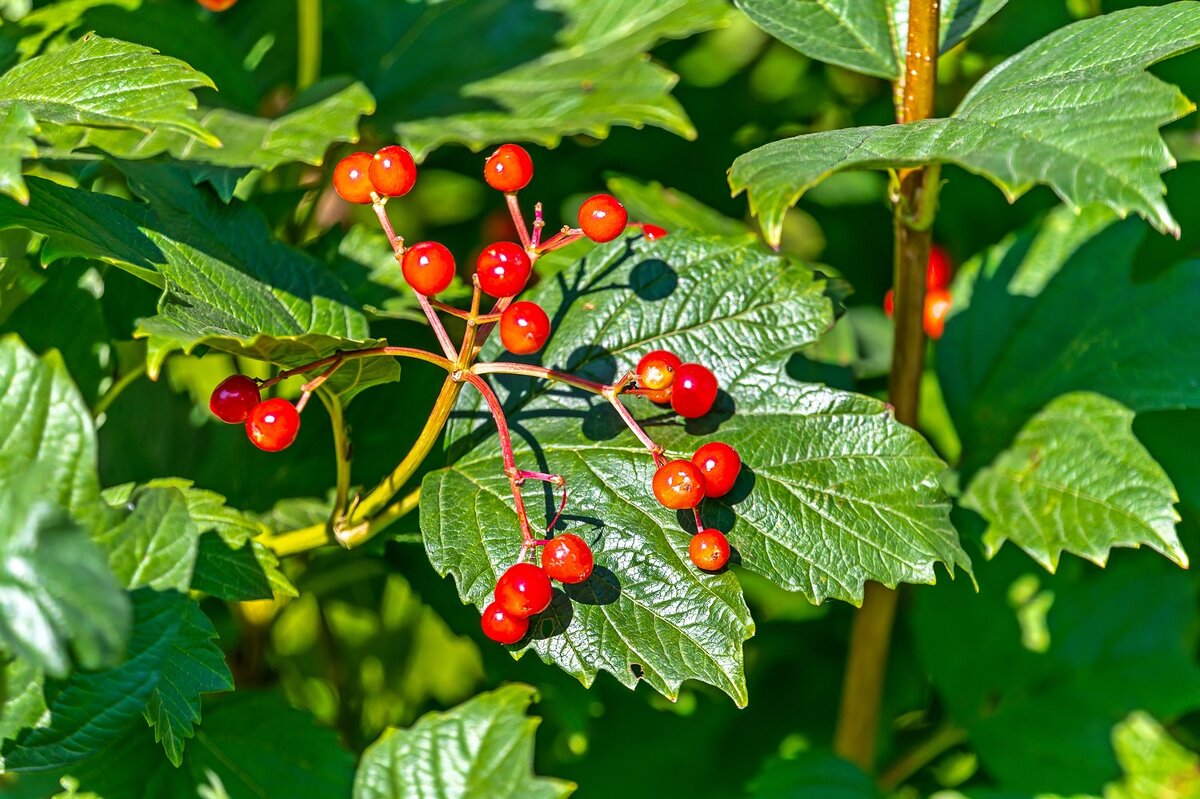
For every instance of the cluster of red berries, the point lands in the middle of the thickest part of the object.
(682, 484)
(689, 388)
(271, 425)
(937, 293)
(524, 590)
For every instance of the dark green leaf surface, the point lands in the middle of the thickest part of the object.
(869, 37)
(482, 749)
(811, 775)
(834, 491)
(599, 76)
(172, 660)
(1075, 111)
(1077, 480)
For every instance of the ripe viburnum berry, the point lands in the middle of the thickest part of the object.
(937, 308)
(503, 269)
(524, 328)
(709, 549)
(351, 178)
(509, 168)
(523, 590)
(502, 626)
(602, 218)
(653, 232)
(720, 465)
(889, 303)
(393, 171)
(694, 391)
(678, 485)
(656, 373)
(272, 425)
(939, 270)
(217, 5)
(428, 267)
(568, 559)
(234, 398)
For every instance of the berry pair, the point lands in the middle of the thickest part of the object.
(711, 472)
(689, 387)
(390, 172)
(937, 293)
(271, 425)
(524, 589)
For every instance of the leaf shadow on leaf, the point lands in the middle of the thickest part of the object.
(653, 280)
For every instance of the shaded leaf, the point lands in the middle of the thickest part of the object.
(482, 749)
(811, 775)
(1075, 111)
(17, 127)
(672, 209)
(24, 702)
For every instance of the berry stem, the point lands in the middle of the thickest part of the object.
(506, 451)
(655, 450)
(450, 309)
(341, 451)
(370, 352)
(514, 208)
(397, 242)
(532, 370)
(538, 224)
(568, 235)
(466, 352)
(120, 384)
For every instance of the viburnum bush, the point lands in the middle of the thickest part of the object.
(322, 459)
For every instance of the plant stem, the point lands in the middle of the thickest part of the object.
(912, 200)
(120, 384)
(943, 738)
(532, 370)
(514, 210)
(341, 450)
(308, 44)
(369, 352)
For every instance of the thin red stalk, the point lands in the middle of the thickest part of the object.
(532, 370)
(369, 352)
(514, 208)
(562, 238)
(538, 224)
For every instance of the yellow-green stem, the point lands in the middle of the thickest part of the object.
(119, 385)
(308, 44)
(341, 449)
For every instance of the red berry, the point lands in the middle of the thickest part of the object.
(939, 269)
(694, 391)
(501, 626)
(428, 267)
(656, 372)
(568, 559)
(503, 269)
(351, 178)
(509, 168)
(889, 303)
(709, 549)
(523, 590)
(937, 308)
(273, 425)
(602, 218)
(653, 232)
(720, 465)
(233, 400)
(679, 485)
(217, 5)
(524, 328)
(393, 171)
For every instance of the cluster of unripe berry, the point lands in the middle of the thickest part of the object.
(937, 293)
(271, 425)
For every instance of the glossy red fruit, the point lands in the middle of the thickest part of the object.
(602, 218)
(568, 559)
(720, 464)
(217, 5)
(502, 626)
(523, 590)
(889, 303)
(679, 485)
(694, 391)
(351, 178)
(233, 400)
(428, 267)
(503, 269)
(273, 425)
(937, 308)
(656, 373)
(653, 232)
(509, 168)
(939, 270)
(524, 328)
(709, 549)
(393, 171)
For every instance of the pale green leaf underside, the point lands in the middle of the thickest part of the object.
(17, 127)
(1075, 111)
(1077, 480)
(868, 36)
(599, 76)
(1155, 764)
(482, 749)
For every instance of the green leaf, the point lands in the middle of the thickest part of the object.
(599, 76)
(869, 37)
(302, 135)
(482, 749)
(833, 492)
(672, 209)
(239, 575)
(77, 85)
(172, 660)
(1024, 338)
(1035, 494)
(227, 283)
(156, 544)
(811, 775)
(17, 127)
(57, 20)
(1155, 765)
(1075, 111)
(24, 701)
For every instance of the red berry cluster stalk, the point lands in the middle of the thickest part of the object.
(502, 271)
